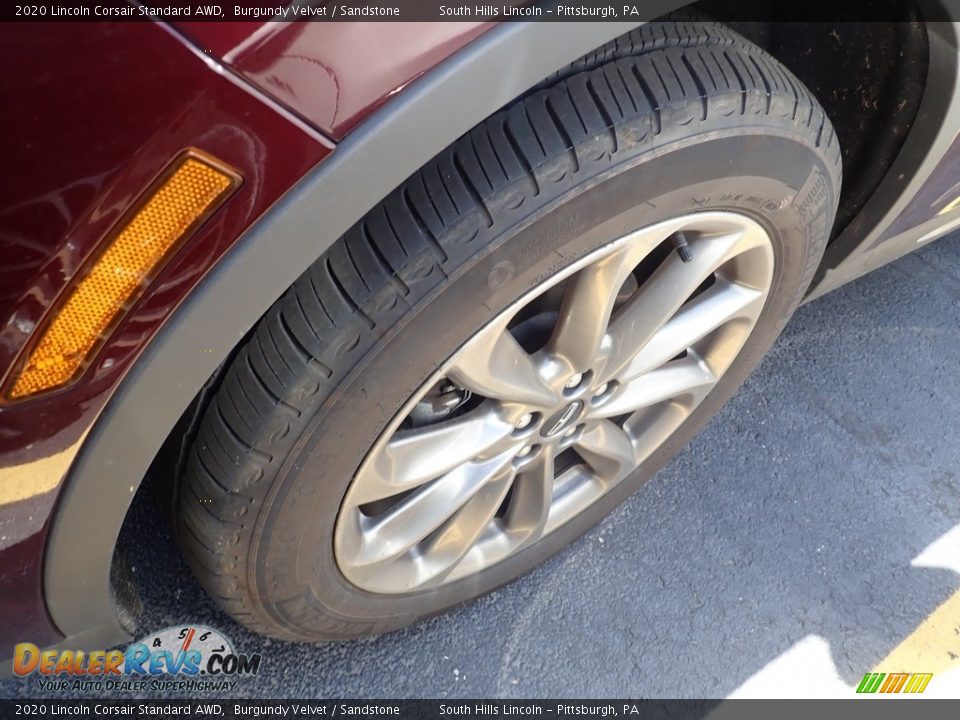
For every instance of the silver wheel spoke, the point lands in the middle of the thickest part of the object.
(416, 516)
(660, 297)
(413, 457)
(587, 305)
(676, 378)
(532, 495)
(619, 359)
(720, 304)
(607, 448)
(494, 365)
(462, 531)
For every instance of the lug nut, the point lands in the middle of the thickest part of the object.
(600, 390)
(524, 451)
(574, 381)
(524, 421)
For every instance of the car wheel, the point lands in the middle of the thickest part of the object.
(512, 342)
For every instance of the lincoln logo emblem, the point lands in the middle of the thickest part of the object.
(559, 421)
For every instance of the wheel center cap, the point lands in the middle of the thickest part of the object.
(563, 419)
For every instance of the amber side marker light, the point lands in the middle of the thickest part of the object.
(192, 188)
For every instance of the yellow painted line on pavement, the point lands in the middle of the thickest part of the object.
(934, 647)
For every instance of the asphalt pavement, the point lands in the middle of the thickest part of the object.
(801, 540)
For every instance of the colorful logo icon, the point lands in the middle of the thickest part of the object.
(894, 682)
(185, 650)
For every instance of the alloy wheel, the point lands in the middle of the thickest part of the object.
(557, 400)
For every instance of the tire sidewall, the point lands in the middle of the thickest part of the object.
(775, 177)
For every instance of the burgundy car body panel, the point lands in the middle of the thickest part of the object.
(333, 74)
(106, 108)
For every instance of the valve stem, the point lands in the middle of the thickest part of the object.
(682, 247)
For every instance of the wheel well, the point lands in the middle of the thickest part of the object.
(869, 77)
(381, 153)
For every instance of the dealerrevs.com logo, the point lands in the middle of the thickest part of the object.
(187, 658)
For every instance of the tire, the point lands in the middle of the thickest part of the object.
(699, 121)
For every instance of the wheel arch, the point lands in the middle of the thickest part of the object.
(374, 159)
(381, 153)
